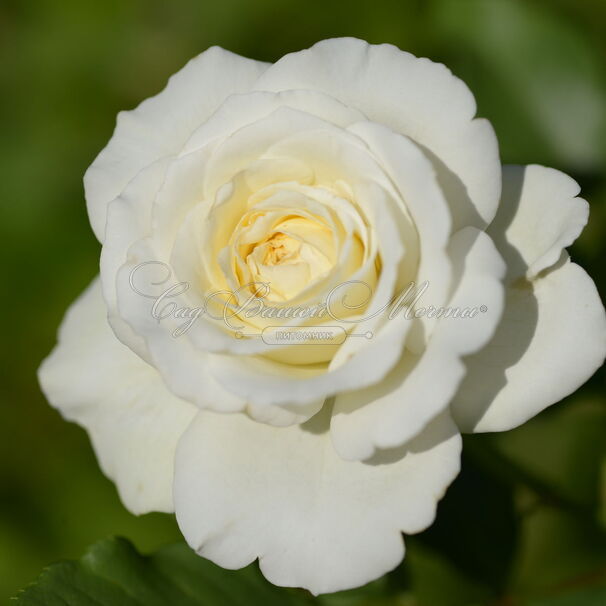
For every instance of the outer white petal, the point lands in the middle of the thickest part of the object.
(414, 97)
(240, 110)
(245, 490)
(261, 381)
(282, 416)
(188, 376)
(134, 422)
(420, 387)
(552, 337)
(415, 178)
(128, 217)
(161, 125)
(539, 216)
(551, 340)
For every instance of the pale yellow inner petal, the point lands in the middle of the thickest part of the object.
(287, 252)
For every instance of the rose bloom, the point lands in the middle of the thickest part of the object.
(344, 165)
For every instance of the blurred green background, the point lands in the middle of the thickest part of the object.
(526, 520)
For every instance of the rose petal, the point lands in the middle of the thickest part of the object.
(240, 110)
(420, 387)
(161, 125)
(128, 218)
(551, 337)
(539, 216)
(415, 178)
(414, 97)
(551, 340)
(244, 490)
(133, 421)
(283, 416)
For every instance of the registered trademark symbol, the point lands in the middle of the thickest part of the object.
(483, 309)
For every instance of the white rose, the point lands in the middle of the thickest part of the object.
(342, 164)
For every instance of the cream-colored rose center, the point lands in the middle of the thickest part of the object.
(287, 253)
(280, 248)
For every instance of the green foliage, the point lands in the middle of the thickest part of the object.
(114, 572)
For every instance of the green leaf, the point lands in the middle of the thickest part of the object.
(113, 572)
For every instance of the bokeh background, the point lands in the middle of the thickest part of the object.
(525, 523)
